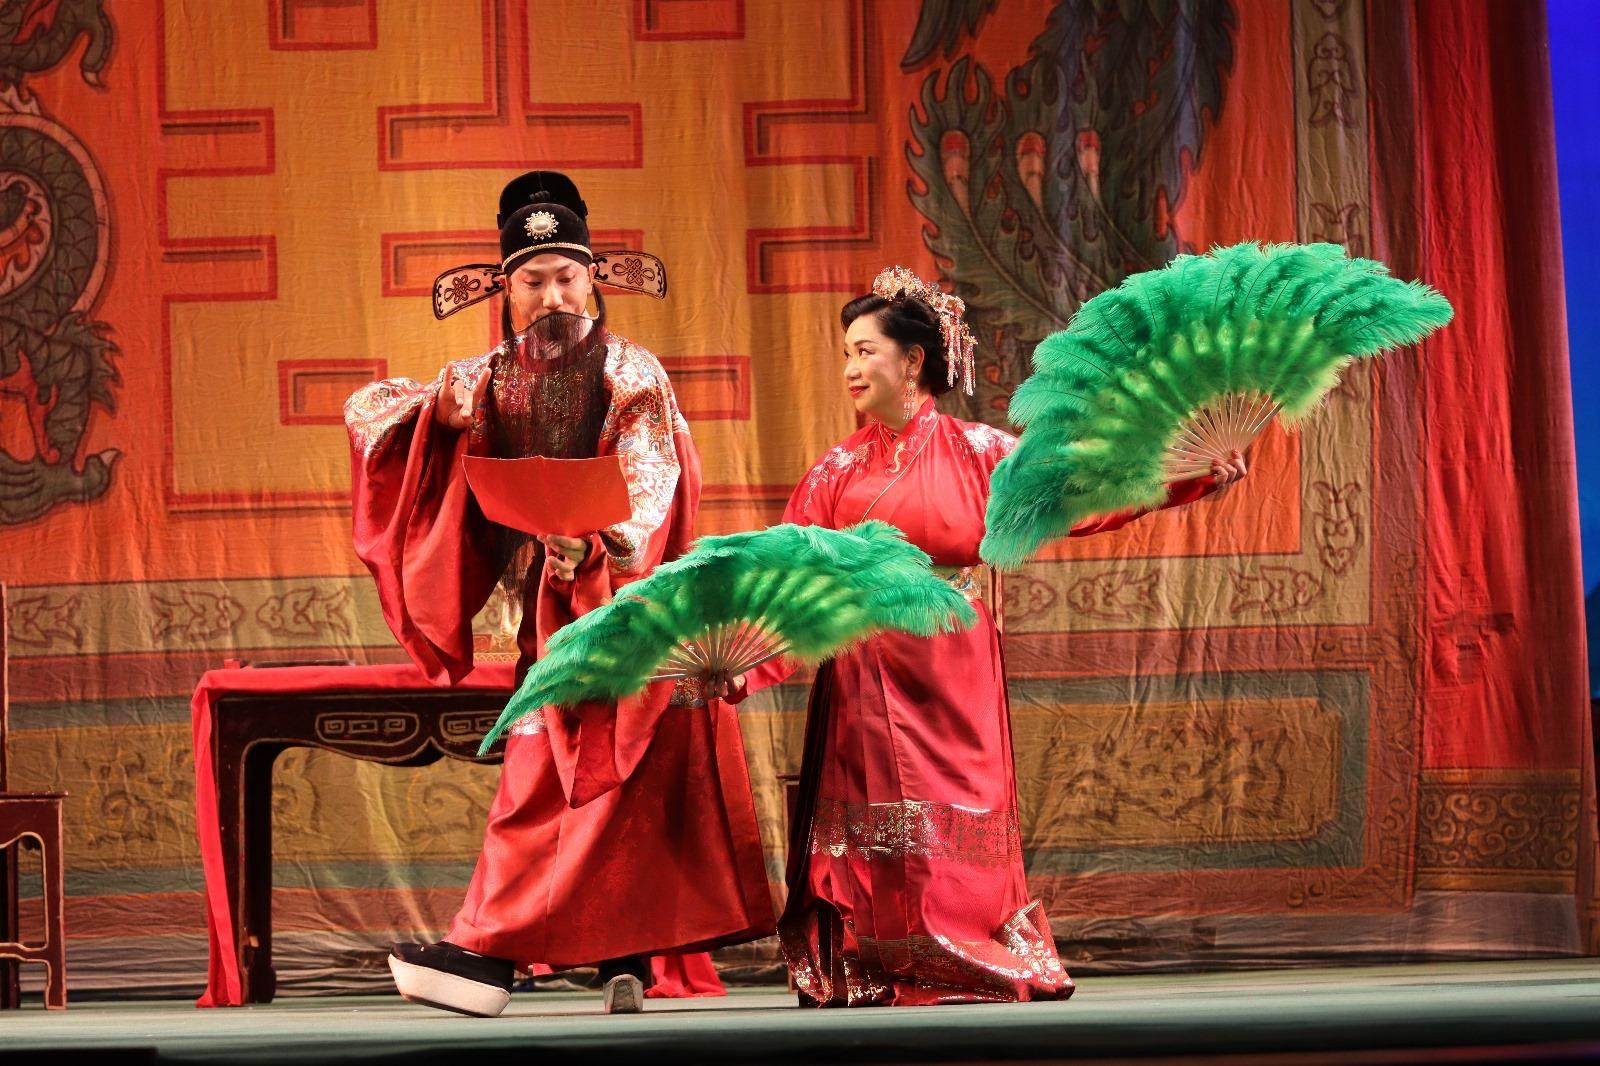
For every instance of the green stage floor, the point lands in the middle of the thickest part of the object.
(1456, 1012)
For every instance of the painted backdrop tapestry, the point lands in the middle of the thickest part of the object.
(1338, 712)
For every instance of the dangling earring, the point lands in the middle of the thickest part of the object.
(908, 398)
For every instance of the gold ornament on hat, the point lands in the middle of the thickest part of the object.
(540, 224)
(897, 282)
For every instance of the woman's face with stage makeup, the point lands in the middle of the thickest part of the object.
(875, 371)
(548, 283)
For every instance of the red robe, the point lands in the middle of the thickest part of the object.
(617, 829)
(906, 882)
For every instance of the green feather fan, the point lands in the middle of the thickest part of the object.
(1177, 367)
(735, 601)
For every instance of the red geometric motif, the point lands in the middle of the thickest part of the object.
(210, 143)
(322, 25)
(735, 508)
(710, 386)
(839, 131)
(507, 129)
(688, 20)
(311, 392)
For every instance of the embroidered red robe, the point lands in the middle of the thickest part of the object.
(906, 882)
(617, 829)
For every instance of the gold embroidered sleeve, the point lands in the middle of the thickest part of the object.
(374, 412)
(639, 426)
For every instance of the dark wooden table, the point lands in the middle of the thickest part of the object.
(249, 730)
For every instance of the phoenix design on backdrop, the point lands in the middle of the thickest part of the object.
(1057, 183)
(55, 358)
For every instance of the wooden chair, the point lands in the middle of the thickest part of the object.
(34, 816)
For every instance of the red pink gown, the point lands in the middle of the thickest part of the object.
(906, 881)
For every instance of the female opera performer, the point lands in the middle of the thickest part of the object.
(906, 881)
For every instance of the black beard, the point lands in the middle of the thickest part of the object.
(555, 335)
(548, 395)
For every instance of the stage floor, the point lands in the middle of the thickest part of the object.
(1456, 1012)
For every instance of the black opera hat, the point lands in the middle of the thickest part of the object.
(543, 185)
(541, 227)
(541, 212)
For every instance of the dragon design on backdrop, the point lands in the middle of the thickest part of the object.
(55, 358)
(1056, 184)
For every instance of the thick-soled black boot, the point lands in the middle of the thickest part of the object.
(451, 978)
(625, 980)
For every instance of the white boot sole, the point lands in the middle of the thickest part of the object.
(624, 995)
(447, 991)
